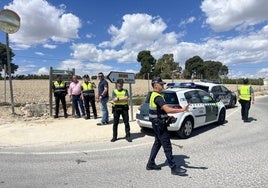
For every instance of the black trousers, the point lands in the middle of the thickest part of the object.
(58, 98)
(90, 100)
(245, 106)
(162, 138)
(124, 112)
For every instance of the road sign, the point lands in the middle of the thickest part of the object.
(64, 72)
(126, 76)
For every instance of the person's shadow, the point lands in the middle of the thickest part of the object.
(250, 119)
(181, 162)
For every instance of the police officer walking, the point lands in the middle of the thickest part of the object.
(120, 98)
(246, 95)
(158, 110)
(89, 96)
(59, 89)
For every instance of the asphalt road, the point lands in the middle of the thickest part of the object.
(232, 155)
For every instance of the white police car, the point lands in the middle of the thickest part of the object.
(202, 111)
(218, 91)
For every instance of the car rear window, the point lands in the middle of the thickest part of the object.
(204, 88)
(170, 97)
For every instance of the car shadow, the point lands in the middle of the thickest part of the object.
(182, 161)
(174, 135)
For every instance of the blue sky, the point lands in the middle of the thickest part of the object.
(106, 35)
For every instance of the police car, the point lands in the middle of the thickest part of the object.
(202, 111)
(219, 92)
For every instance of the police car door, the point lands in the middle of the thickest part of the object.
(210, 106)
(197, 108)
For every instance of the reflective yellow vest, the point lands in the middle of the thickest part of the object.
(244, 92)
(88, 89)
(120, 94)
(153, 107)
(59, 87)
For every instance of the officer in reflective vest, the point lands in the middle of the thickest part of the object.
(59, 89)
(246, 95)
(158, 110)
(120, 100)
(89, 96)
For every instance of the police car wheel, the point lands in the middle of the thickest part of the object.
(186, 128)
(232, 103)
(222, 115)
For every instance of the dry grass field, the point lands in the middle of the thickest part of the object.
(37, 91)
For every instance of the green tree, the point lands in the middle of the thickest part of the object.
(147, 63)
(3, 58)
(166, 67)
(212, 69)
(194, 67)
(201, 69)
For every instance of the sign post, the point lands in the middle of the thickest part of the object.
(113, 76)
(9, 23)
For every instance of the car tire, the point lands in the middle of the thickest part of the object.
(186, 128)
(232, 103)
(222, 115)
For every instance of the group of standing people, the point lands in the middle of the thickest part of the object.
(82, 95)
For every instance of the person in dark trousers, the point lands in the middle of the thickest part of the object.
(158, 110)
(59, 89)
(103, 97)
(89, 96)
(246, 96)
(120, 99)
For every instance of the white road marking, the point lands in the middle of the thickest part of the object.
(73, 152)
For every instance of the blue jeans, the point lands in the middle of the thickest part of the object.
(104, 109)
(76, 99)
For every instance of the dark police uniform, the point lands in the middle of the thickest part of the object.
(60, 91)
(158, 116)
(89, 97)
(120, 108)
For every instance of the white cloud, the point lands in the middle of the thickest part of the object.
(49, 46)
(224, 15)
(82, 68)
(43, 71)
(39, 53)
(263, 72)
(187, 21)
(41, 22)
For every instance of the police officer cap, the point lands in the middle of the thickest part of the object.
(86, 76)
(245, 81)
(120, 81)
(58, 75)
(157, 80)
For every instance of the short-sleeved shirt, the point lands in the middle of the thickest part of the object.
(159, 101)
(102, 84)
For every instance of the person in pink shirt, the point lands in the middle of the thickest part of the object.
(75, 96)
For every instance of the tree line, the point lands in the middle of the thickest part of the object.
(167, 68)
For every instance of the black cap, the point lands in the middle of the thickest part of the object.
(58, 75)
(158, 80)
(86, 76)
(245, 81)
(120, 81)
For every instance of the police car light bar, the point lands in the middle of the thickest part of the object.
(181, 85)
